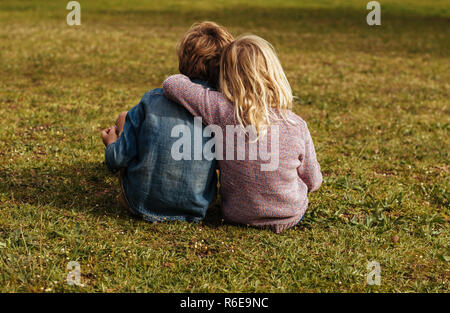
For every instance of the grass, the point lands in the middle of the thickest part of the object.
(375, 99)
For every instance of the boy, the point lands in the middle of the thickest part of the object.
(154, 185)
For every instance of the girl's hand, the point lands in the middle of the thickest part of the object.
(109, 135)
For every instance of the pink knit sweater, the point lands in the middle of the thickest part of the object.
(250, 195)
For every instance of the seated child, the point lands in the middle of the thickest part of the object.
(155, 185)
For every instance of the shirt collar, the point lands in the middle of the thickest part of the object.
(201, 82)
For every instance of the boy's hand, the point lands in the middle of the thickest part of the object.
(109, 135)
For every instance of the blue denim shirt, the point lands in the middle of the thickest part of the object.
(156, 186)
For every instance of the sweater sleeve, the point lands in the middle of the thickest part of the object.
(309, 170)
(211, 105)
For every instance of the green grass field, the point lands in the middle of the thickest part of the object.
(376, 100)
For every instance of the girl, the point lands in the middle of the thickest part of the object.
(256, 95)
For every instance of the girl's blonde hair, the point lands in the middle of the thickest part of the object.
(252, 78)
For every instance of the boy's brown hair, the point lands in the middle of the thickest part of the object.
(200, 49)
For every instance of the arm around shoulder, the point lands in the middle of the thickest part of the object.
(202, 101)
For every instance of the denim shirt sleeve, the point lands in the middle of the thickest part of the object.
(119, 154)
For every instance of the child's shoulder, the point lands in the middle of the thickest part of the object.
(155, 92)
(152, 95)
(296, 118)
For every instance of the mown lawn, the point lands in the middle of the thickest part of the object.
(376, 100)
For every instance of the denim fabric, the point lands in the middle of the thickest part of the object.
(156, 186)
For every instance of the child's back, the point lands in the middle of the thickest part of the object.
(156, 186)
(278, 197)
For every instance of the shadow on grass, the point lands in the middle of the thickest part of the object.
(338, 26)
(84, 187)
(400, 30)
(79, 186)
